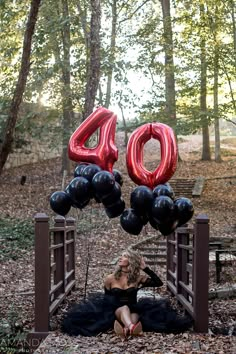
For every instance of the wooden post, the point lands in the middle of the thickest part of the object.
(201, 273)
(42, 273)
(182, 260)
(71, 248)
(59, 254)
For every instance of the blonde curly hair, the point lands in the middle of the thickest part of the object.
(133, 267)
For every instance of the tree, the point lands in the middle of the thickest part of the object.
(169, 64)
(21, 83)
(206, 153)
(111, 54)
(93, 73)
(66, 89)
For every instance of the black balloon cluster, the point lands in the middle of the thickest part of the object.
(90, 182)
(158, 207)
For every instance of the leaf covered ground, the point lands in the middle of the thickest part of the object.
(104, 239)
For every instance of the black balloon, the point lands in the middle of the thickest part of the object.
(162, 208)
(163, 189)
(96, 197)
(141, 200)
(115, 209)
(103, 183)
(168, 226)
(144, 218)
(81, 205)
(60, 202)
(118, 177)
(90, 171)
(78, 172)
(113, 196)
(131, 222)
(153, 222)
(184, 210)
(79, 190)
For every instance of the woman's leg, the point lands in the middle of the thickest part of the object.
(134, 317)
(124, 316)
(129, 320)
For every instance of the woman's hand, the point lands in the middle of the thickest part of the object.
(142, 263)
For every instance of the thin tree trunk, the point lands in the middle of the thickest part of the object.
(216, 110)
(94, 59)
(66, 90)
(215, 29)
(21, 83)
(230, 86)
(112, 53)
(169, 64)
(232, 3)
(124, 123)
(206, 153)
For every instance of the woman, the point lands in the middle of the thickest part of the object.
(119, 307)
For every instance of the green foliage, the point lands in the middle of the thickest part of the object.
(12, 335)
(139, 49)
(16, 236)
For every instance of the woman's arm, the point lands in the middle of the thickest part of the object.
(152, 280)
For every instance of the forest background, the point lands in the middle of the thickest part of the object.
(171, 62)
(165, 61)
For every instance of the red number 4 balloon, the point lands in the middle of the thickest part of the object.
(106, 153)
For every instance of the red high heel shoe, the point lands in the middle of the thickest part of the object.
(136, 329)
(119, 330)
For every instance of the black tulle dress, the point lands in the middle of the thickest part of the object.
(97, 313)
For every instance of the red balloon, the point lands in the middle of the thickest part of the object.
(169, 154)
(105, 153)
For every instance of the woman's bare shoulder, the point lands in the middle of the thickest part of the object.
(110, 276)
(108, 280)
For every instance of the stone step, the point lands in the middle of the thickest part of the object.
(151, 262)
(182, 187)
(153, 249)
(154, 255)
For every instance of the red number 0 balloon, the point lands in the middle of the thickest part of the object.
(105, 153)
(169, 155)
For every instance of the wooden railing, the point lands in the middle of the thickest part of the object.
(188, 269)
(54, 271)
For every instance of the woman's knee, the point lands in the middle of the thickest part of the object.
(121, 310)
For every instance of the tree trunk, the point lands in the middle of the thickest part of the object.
(232, 3)
(216, 110)
(169, 64)
(124, 123)
(93, 74)
(215, 31)
(230, 85)
(206, 153)
(66, 90)
(112, 53)
(21, 83)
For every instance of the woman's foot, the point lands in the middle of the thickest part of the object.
(119, 330)
(135, 329)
